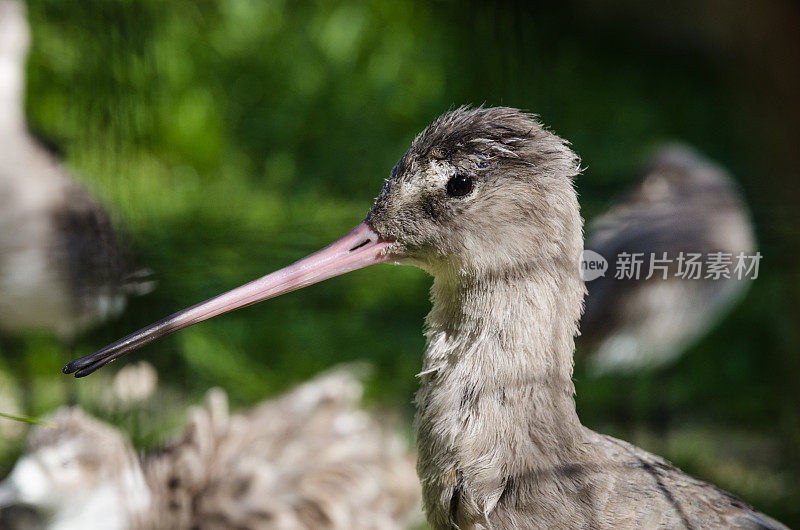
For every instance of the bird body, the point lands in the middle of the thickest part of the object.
(309, 459)
(685, 205)
(53, 237)
(63, 267)
(484, 201)
(499, 440)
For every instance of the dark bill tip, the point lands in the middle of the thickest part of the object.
(84, 366)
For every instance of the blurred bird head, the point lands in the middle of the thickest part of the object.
(78, 461)
(677, 174)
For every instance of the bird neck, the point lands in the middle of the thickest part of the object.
(496, 397)
(12, 119)
(511, 332)
(14, 36)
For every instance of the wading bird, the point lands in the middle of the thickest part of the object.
(684, 206)
(484, 201)
(307, 460)
(63, 267)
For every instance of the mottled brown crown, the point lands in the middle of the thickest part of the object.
(498, 133)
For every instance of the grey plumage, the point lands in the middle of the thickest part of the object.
(309, 459)
(500, 444)
(63, 267)
(686, 204)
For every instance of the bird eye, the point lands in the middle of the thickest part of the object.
(459, 185)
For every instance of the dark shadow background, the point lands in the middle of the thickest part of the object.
(233, 137)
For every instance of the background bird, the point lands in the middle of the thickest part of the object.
(484, 201)
(63, 266)
(684, 204)
(308, 459)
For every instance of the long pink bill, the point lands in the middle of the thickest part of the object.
(360, 248)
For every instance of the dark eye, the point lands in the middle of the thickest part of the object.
(459, 185)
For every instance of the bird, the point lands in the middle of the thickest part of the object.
(310, 459)
(64, 268)
(484, 201)
(684, 204)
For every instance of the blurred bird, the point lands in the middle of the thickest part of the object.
(63, 267)
(307, 460)
(484, 201)
(685, 204)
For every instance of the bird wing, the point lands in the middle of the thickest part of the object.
(680, 499)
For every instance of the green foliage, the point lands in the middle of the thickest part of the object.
(25, 419)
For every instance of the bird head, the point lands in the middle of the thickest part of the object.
(480, 192)
(69, 461)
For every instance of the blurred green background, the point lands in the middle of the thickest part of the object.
(232, 137)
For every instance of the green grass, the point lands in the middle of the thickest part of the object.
(25, 419)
